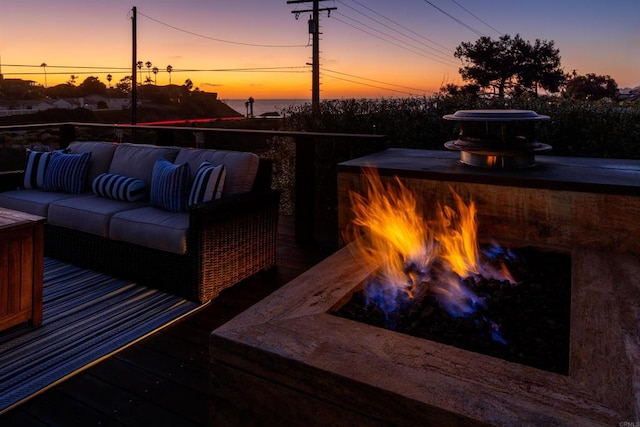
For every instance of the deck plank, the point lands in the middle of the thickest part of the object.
(163, 379)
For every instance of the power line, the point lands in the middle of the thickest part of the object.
(217, 39)
(443, 49)
(470, 28)
(469, 12)
(374, 81)
(402, 46)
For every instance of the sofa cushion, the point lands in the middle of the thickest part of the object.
(241, 168)
(152, 227)
(170, 186)
(35, 202)
(35, 168)
(89, 213)
(119, 187)
(207, 184)
(101, 155)
(66, 172)
(137, 160)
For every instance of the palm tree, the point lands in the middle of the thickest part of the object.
(148, 64)
(188, 84)
(155, 70)
(44, 67)
(169, 70)
(72, 80)
(139, 64)
(109, 77)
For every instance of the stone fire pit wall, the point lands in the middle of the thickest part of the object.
(287, 361)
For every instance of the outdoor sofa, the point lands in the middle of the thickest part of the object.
(189, 221)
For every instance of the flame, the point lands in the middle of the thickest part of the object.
(412, 255)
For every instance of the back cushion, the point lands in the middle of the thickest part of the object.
(241, 168)
(137, 160)
(101, 155)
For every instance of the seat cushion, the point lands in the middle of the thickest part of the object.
(35, 202)
(152, 227)
(138, 160)
(101, 155)
(240, 167)
(90, 213)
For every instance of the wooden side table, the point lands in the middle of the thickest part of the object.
(21, 268)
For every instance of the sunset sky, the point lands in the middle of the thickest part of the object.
(242, 48)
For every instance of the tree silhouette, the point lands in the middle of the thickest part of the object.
(169, 70)
(188, 84)
(148, 64)
(511, 65)
(109, 78)
(44, 67)
(139, 64)
(591, 87)
(72, 80)
(155, 70)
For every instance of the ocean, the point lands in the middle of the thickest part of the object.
(261, 106)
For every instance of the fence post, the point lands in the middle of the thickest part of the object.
(305, 189)
(67, 135)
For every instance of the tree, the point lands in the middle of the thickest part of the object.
(591, 87)
(139, 64)
(188, 84)
(91, 86)
(72, 80)
(511, 65)
(148, 64)
(169, 70)
(155, 70)
(109, 78)
(124, 85)
(44, 67)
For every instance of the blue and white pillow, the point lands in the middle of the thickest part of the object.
(170, 185)
(35, 168)
(66, 172)
(119, 187)
(207, 184)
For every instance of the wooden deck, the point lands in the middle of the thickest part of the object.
(162, 380)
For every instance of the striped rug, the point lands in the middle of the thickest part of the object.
(87, 316)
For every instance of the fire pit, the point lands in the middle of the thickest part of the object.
(500, 139)
(288, 360)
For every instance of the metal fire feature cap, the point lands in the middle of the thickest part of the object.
(494, 115)
(499, 139)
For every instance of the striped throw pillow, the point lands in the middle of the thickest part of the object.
(170, 185)
(119, 187)
(35, 169)
(66, 172)
(207, 184)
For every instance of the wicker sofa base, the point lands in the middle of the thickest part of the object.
(220, 254)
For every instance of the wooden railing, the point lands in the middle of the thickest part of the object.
(316, 156)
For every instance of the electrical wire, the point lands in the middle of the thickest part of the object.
(443, 49)
(374, 81)
(217, 39)
(402, 46)
(469, 27)
(472, 14)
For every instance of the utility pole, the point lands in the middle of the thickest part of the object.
(314, 30)
(134, 61)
